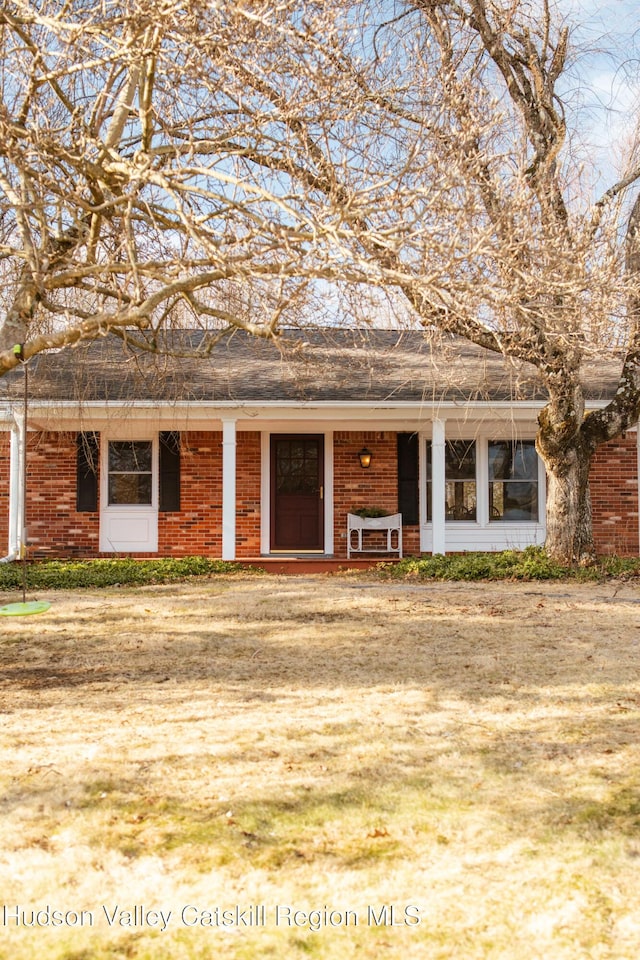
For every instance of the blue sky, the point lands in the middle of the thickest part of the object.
(607, 34)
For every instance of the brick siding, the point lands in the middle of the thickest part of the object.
(614, 497)
(56, 529)
(197, 529)
(248, 486)
(54, 526)
(375, 486)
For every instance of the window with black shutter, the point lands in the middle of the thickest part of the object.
(408, 497)
(169, 471)
(87, 451)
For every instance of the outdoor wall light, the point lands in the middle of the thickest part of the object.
(365, 457)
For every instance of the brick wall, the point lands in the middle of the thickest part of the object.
(197, 529)
(376, 486)
(57, 529)
(54, 527)
(614, 497)
(248, 484)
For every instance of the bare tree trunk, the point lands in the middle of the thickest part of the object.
(566, 443)
(569, 520)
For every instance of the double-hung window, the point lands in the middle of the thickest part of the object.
(460, 480)
(494, 480)
(513, 480)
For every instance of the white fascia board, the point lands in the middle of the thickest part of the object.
(202, 415)
(70, 409)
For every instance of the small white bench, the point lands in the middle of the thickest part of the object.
(358, 527)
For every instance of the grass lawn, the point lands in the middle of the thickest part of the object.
(328, 767)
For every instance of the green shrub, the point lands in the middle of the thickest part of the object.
(368, 513)
(120, 571)
(529, 564)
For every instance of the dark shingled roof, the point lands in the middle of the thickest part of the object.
(309, 365)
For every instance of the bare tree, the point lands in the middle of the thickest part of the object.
(559, 264)
(557, 278)
(169, 161)
(125, 200)
(464, 192)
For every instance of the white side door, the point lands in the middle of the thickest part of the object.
(129, 495)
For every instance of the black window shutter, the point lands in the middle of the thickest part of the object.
(408, 500)
(87, 451)
(169, 471)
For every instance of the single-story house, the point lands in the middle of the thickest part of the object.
(259, 450)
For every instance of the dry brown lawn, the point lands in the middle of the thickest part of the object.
(335, 756)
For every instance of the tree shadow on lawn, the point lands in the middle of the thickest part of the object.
(374, 815)
(513, 695)
(477, 653)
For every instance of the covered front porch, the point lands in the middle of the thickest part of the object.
(269, 481)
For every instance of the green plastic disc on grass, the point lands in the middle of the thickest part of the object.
(24, 609)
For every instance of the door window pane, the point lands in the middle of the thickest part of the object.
(297, 470)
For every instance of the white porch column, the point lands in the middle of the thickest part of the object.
(17, 466)
(438, 487)
(228, 489)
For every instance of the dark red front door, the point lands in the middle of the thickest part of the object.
(297, 508)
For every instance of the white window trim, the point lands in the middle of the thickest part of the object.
(480, 533)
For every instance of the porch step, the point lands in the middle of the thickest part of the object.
(311, 564)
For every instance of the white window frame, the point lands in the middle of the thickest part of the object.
(129, 527)
(479, 453)
(501, 521)
(481, 534)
